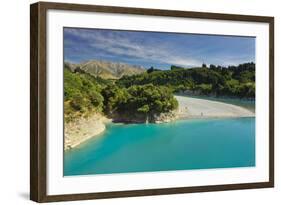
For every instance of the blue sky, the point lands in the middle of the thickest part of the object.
(160, 50)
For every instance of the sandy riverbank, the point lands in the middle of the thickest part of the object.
(83, 129)
(201, 108)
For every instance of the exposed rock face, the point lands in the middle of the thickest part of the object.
(83, 129)
(105, 69)
(141, 118)
(166, 117)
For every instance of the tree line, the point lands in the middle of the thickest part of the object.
(85, 94)
(232, 81)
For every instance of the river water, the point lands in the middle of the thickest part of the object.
(179, 145)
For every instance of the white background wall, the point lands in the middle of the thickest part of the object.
(14, 101)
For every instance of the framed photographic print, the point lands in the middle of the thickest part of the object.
(134, 102)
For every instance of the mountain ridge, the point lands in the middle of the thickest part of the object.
(106, 69)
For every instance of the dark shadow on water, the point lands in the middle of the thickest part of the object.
(24, 195)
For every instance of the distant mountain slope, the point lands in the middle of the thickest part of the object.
(106, 69)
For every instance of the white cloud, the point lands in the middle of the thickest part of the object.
(119, 44)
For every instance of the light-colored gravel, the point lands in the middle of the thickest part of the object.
(201, 108)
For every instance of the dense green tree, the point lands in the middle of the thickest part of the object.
(114, 98)
(219, 78)
(81, 94)
(174, 67)
(204, 89)
(149, 100)
(213, 67)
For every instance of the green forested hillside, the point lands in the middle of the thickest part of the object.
(82, 94)
(234, 81)
(144, 95)
(138, 102)
(85, 94)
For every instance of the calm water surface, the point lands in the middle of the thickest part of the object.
(180, 145)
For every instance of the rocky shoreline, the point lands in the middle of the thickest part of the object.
(155, 118)
(83, 129)
(166, 117)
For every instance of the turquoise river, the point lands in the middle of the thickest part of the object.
(179, 145)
